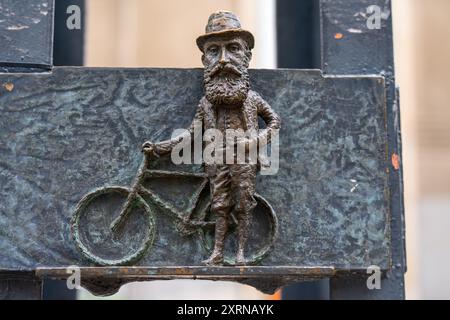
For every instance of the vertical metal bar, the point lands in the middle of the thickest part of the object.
(298, 34)
(357, 39)
(68, 47)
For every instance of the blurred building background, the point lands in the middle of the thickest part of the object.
(422, 52)
(137, 33)
(152, 33)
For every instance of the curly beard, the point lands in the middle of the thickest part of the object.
(226, 85)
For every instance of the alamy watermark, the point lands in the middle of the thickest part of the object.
(375, 15)
(215, 147)
(374, 280)
(73, 21)
(74, 280)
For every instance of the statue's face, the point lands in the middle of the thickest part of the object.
(226, 75)
(232, 51)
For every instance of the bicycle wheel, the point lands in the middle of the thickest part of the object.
(91, 227)
(262, 235)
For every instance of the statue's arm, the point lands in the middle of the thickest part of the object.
(272, 120)
(165, 147)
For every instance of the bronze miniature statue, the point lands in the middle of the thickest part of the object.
(228, 104)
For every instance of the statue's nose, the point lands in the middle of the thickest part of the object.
(224, 56)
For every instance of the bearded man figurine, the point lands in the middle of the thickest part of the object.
(228, 104)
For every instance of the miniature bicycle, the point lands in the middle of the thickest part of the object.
(196, 219)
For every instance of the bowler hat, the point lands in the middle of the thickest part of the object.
(224, 23)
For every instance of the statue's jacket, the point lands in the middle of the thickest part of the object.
(206, 116)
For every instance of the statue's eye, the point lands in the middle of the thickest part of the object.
(213, 50)
(234, 47)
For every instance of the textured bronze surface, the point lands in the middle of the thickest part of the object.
(66, 132)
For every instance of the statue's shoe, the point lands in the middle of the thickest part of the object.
(214, 260)
(240, 261)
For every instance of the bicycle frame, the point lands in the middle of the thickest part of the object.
(137, 190)
(186, 224)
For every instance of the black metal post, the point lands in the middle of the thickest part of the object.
(68, 46)
(352, 45)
